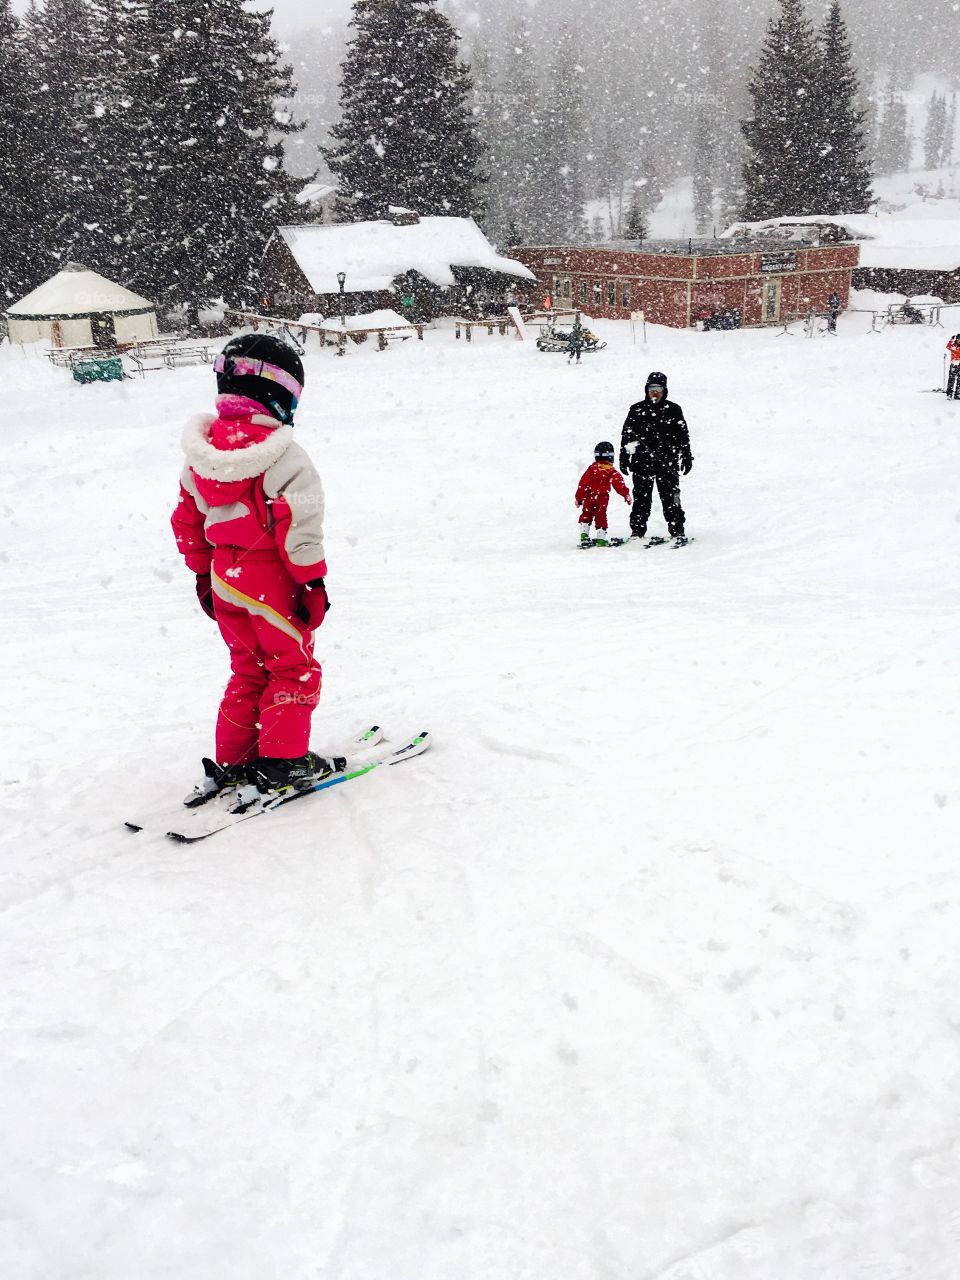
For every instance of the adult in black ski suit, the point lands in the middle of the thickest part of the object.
(655, 447)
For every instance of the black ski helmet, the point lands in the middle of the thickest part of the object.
(265, 368)
(604, 451)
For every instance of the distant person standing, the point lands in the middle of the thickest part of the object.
(655, 448)
(575, 341)
(953, 378)
(834, 307)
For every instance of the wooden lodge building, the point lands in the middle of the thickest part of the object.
(678, 282)
(425, 267)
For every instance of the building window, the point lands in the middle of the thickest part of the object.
(611, 293)
(597, 292)
(567, 288)
(625, 293)
(583, 290)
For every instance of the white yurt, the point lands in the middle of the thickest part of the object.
(78, 308)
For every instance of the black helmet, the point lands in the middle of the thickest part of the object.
(657, 380)
(604, 451)
(263, 367)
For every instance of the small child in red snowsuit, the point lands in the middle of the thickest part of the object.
(593, 493)
(249, 523)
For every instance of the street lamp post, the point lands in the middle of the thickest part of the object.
(341, 281)
(342, 336)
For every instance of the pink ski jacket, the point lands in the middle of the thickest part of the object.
(248, 486)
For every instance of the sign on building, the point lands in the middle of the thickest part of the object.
(776, 262)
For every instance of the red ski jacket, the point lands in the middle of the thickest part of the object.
(953, 346)
(597, 481)
(247, 486)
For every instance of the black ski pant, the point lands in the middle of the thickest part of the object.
(953, 380)
(668, 487)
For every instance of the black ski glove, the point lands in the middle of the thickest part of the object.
(205, 594)
(686, 463)
(314, 604)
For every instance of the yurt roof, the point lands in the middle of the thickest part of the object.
(74, 292)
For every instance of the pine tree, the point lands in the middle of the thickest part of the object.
(407, 135)
(648, 184)
(949, 132)
(613, 176)
(636, 227)
(893, 144)
(23, 262)
(59, 41)
(559, 150)
(208, 88)
(782, 133)
(112, 155)
(495, 116)
(703, 155)
(934, 132)
(840, 182)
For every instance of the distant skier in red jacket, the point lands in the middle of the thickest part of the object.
(953, 380)
(593, 493)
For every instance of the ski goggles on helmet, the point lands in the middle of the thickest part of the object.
(245, 367)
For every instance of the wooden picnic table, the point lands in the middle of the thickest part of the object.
(173, 356)
(501, 323)
(334, 333)
(360, 335)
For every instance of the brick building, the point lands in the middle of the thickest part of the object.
(677, 282)
(903, 255)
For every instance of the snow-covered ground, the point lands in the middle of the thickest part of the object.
(649, 970)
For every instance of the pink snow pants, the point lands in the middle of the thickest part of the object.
(275, 681)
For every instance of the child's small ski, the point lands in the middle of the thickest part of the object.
(267, 804)
(220, 802)
(609, 542)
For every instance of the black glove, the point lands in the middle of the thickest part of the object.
(314, 604)
(205, 594)
(686, 463)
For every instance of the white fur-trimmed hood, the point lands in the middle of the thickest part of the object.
(233, 464)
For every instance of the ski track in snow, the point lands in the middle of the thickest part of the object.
(646, 971)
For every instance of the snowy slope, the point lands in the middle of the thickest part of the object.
(648, 971)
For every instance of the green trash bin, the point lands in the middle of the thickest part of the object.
(98, 369)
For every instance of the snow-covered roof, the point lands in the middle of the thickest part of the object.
(75, 291)
(886, 240)
(315, 193)
(373, 254)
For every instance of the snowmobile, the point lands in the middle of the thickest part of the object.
(552, 339)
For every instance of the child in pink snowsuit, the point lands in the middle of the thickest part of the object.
(593, 493)
(249, 523)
